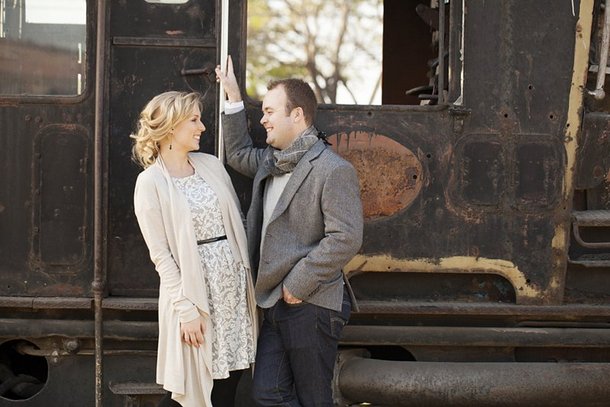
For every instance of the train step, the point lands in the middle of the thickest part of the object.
(132, 391)
(136, 388)
(133, 388)
(590, 219)
(592, 260)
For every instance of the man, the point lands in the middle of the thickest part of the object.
(304, 225)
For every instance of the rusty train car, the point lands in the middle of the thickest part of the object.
(484, 277)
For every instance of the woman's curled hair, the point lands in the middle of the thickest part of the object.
(157, 120)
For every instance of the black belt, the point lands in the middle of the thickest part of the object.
(212, 239)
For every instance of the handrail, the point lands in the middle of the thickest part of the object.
(99, 277)
(599, 92)
(222, 53)
(590, 218)
(441, 53)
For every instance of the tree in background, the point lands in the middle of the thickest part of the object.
(335, 45)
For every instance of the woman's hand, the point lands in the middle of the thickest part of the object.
(192, 332)
(229, 82)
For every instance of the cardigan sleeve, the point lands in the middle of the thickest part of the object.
(150, 219)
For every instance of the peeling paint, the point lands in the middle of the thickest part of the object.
(574, 119)
(559, 238)
(579, 76)
(456, 264)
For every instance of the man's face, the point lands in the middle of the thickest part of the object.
(280, 126)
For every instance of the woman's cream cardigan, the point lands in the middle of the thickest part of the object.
(165, 221)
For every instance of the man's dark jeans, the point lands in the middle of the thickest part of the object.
(297, 348)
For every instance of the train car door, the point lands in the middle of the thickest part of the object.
(46, 134)
(155, 46)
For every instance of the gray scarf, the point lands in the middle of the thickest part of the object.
(280, 162)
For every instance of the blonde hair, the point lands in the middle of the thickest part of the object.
(157, 120)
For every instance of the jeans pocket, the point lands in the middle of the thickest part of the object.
(346, 307)
(336, 326)
(297, 305)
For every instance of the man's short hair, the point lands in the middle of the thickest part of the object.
(298, 94)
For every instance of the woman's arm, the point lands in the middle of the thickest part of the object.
(150, 219)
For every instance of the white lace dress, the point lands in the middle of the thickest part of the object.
(233, 344)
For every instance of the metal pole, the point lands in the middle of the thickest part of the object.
(599, 92)
(391, 383)
(441, 52)
(580, 337)
(224, 52)
(98, 196)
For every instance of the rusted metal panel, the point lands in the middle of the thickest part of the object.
(455, 336)
(594, 151)
(390, 175)
(539, 168)
(551, 313)
(46, 215)
(14, 202)
(60, 199)
(482, 174)
(516, 78)
(193, 19)
(397, 287)
(44, 303)
(485, 196)
(80, 328)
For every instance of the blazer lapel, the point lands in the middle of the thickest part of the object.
(258, 183)
(255, 212)
(299, 174)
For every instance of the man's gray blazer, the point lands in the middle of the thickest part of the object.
(315, 229)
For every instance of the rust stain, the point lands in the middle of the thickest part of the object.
(63, 289)
(390, 174)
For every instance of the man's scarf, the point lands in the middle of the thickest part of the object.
(280, 162)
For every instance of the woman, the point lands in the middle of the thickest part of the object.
(189, 215)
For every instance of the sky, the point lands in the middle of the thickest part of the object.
(56, 11)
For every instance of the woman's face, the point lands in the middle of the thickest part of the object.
(188, 132)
